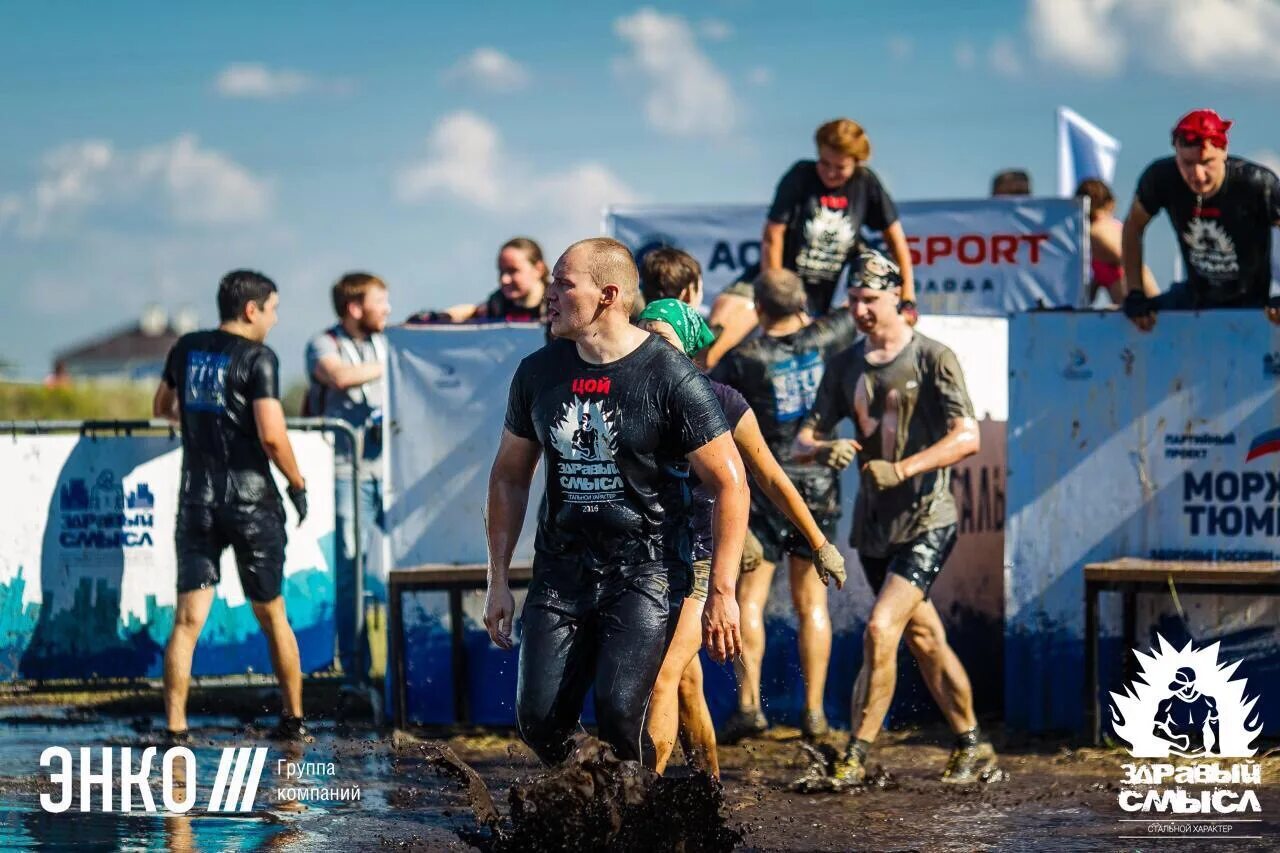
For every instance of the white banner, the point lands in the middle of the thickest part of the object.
(987, 257)
(447, 399)
(1084, 151)
(88, 570)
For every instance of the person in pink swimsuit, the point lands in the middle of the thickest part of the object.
(1104, 244)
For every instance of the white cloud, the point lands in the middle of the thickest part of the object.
(489, 69)
(1221, 39)
(257, 81)
(714, 29)
(204, 186)
(687, 94)
(462, 161)
(1078, 34)
(760, 76)
(466, 161)
(1003, 57)
(1267, 157)
(901, 47)
(178, 178)
(966, 55)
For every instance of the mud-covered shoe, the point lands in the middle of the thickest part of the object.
(742, 725)
(293, 729)
(851, 769)
(813, 725)
(969, 763)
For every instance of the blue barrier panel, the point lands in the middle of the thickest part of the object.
(1125, 444)
(87, 562)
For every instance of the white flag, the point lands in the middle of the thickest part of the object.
(1084, 151)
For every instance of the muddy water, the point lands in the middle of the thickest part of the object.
(1054, 798)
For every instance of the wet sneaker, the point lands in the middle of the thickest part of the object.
(742, 725)
(172, 738)
(292, 729)
(969, 763)
(814, 725)
(849, 770)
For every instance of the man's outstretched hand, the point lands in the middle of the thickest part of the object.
(499, 612)
(721, 633)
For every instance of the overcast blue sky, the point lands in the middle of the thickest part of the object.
(148, 148)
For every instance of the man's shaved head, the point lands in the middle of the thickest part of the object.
(609, 262)
(779, 294)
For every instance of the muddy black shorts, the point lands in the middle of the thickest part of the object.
(919, 561)
(778, 536)
(255, 532)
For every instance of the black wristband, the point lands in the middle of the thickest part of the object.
(1137, 305)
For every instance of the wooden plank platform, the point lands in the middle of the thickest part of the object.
(1140, 570)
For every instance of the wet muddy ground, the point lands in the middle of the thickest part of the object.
(1055, 797)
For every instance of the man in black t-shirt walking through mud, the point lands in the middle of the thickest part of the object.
(608, 407)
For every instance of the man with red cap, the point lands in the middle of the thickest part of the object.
(1222, 209)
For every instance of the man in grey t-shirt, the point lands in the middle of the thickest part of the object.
(913, 420)
(345, 365)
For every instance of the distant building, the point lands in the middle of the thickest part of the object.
(135, 352)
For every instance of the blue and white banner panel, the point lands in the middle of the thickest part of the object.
(88, 574)
(1122, 444)
(973, 257)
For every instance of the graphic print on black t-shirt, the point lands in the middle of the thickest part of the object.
(610, 435)
(779, 375)
(206, 381)
(217, 377)
(823, 224)
(795, 384)
(1225, 239)
(585, 438)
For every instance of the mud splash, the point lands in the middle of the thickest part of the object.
(594, 801)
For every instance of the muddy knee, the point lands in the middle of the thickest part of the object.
(881, 637)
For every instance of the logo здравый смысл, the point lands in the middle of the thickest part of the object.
(1187, 708)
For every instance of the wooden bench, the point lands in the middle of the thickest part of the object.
(438, 577)
(1131, 575)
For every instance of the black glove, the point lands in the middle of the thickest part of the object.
(1137, 305)
(298, 497)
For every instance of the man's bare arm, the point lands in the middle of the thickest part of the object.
(719, 467)
(897, 240)
(732, 318)
(771, 242)
(960, 442)
(773, 481)
(165, 403)
(509, 480)
(274, 436)
(1135, 226)
(330, 371)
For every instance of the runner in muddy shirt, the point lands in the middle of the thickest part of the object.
(898, 409)
(610, 410)
(913, 420)
(606, 432)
